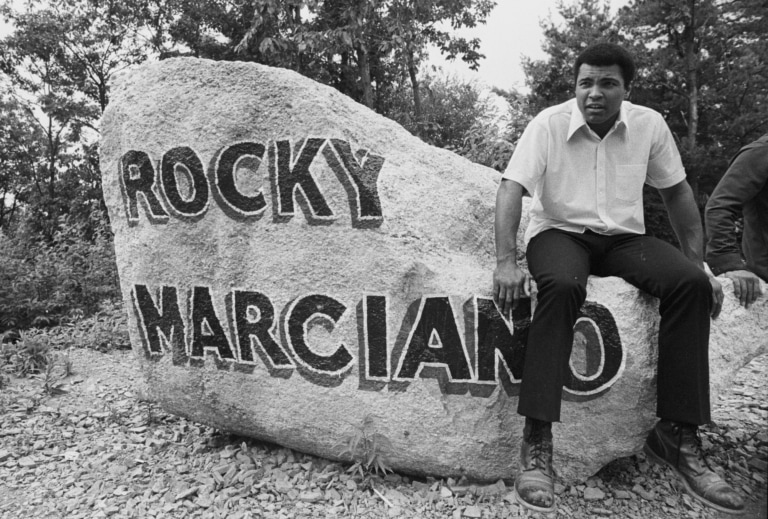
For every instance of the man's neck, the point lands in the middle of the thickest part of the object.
(602, 129)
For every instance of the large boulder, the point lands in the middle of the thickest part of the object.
(299, 269)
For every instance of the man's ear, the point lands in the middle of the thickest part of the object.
(627, 92)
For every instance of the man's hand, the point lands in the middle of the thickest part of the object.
(746, 286)
(717, 296)
(510, 283)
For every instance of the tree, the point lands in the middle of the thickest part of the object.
(208, 29)
(491, 140)
(585, 22)
(60, 59)
(19, 140)
(366, 49)
(371, 38)
(704, 68)
(451, 107)
(413, 24)
(739, 113)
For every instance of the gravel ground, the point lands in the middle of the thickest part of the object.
(98, 450)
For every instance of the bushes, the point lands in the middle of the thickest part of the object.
(27, 356)
(484, 143)
(41, 283)
(449, 107)
(44, 353)
(462, 116)
(105, 330)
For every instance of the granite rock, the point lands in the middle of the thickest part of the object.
(301, 270)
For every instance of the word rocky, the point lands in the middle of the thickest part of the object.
(289, 173)
(428, 345)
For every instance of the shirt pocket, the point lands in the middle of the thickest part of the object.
(628, 183)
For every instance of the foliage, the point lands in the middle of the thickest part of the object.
(41, 283)
(450, 107)
(364, 48)
(28, 356)
(485, 144)
(67, 365)
(52, 383)
(200, 28)
(364, 448)
(105, 330)
(19, 146)
(32, 355)
(490, 141)
(59, 60)
(56, 247)
(44, 353)
(361, 46)
(61, 49)
(706, 72)
(458, 115)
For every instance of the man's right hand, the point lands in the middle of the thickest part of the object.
(510, 283)
(746, 286)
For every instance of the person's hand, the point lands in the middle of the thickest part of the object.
(510, 283)
(746, 286)
(717, 296)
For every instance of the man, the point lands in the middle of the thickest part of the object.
(743, 191)
(584, 162)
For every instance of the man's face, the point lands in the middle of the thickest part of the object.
(599, 92)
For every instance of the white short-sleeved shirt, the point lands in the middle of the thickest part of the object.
(579, 181)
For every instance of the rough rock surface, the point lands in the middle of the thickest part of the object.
(301, 270)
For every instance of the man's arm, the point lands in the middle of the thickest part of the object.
(509, 280)
(744, 178)
(685, 220)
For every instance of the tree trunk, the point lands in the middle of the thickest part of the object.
(51, 203)
(414, 86)
(365, 76)
(692, 66)
(346, 80)
(52, 150)
(294, 13)
(103, 93)
(13, 209)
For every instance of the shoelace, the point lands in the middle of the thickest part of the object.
(692, 435)
(539, 449)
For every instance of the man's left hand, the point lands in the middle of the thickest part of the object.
(717, 297)
(746, 286)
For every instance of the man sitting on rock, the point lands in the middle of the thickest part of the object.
(741, 193)
(584, 162)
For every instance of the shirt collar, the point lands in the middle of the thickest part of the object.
(577, 120)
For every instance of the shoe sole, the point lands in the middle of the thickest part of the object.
(661, 461)
(533, 507)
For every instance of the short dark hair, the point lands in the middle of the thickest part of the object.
(605, 55)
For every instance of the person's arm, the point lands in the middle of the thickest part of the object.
(685, 220)
(745, 177)
(510, 282)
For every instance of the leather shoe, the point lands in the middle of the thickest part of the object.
(534, 484)
(678, 446)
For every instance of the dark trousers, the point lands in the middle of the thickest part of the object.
(561, 261)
